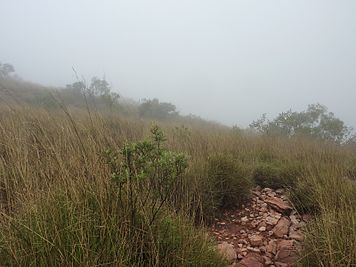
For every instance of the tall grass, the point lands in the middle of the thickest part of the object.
(59, 206)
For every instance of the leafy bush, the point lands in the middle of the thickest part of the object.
(230, 181)
(146, 168)
(276, 174)
(315, 122)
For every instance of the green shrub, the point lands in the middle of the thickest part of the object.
(230, 181)
(276, 174)
(147, 173)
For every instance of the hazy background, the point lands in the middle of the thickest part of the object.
(224, 60)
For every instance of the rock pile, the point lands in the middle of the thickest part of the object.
(266, 232)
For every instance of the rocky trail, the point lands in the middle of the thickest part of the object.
(265, 232)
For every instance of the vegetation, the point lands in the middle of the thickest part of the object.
(276, 174)
(87, 187)
(154, 109)
(6, 70)
(230, 181)
(315, 122)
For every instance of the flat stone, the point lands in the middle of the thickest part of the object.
(270, 220)
(268, 260)
(287, 251)
(279, 204)
(252, 260)
(257, 250)
(282, 227)
(256, 240)
(272, 246)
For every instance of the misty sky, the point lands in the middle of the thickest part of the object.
(225, 60)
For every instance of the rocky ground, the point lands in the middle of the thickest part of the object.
(265, 232)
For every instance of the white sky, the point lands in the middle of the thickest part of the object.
(226, 60)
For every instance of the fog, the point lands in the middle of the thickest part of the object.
(228, 61)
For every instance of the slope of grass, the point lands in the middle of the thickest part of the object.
(59, 206)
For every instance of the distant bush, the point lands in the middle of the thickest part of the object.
(154, 109)
(45, 100)
(230, 181)
(6, 69)
(276, 175)
(315, 122)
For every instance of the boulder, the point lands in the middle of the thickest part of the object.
(252, 260)
(273, 218)
(287, 252)
(272, 246)
(256, 240)
(279, 205)
(282, 227)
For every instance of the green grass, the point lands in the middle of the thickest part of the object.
(59, 205)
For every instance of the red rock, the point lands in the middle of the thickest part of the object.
(272, 246)
(262, 229)
(279, 205)
(287, 251)
(268, 260)
(256, 240)
(282, 227)
(252, 260)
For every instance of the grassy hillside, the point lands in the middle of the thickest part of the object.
(82, 188)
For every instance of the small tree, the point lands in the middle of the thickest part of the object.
(98, 89)
(6, 69)
(314, 122)
(76, 87)
(155, 109)
(146, 169)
